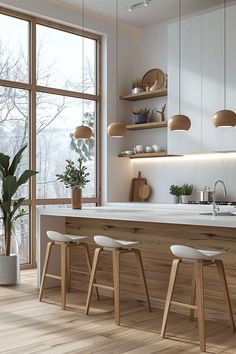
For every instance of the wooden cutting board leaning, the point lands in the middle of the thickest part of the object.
(139, 189)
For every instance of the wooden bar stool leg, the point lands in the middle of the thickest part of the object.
(92, 278)
(116, 280)
(174, 269)
(45, 268)
(89, 262)
(143, 278)
(221, 271)
(68, 269)
(200, 304)
(193, 295)
(63, 274)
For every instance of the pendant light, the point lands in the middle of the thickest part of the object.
(224, 118)
(179, 122)
(83, 131)
(116, 130)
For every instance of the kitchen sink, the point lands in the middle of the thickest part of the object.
(221, 213)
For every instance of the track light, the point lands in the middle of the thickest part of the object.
(145, 3)
(130, 8)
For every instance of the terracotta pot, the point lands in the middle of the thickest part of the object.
(76, 198)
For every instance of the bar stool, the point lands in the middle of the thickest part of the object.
(199, 259)
(66, 243)
(117, 248)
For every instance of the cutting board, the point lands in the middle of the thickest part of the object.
(144, 191)
(136, 183)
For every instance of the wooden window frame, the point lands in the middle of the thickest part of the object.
(33, 88)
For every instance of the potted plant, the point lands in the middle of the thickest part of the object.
(10, 213)
(140, 116)
(75, 178)
(186, 191)
(175, 191)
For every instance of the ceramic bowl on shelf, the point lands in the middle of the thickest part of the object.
(156, 148)
(138, 149)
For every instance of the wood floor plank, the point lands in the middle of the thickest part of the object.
(28, 326)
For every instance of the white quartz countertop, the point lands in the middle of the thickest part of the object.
(154, 213)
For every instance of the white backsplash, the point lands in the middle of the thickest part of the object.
(197, 170)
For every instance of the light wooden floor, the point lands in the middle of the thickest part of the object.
(28, 326)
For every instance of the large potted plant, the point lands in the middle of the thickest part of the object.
(75, 178)
(10, 213)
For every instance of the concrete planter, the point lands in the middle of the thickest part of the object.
(185, 198)
(9, 269)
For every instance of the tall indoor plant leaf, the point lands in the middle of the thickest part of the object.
(10, 185)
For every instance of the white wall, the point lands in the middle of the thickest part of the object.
(139, 52)
(113, 186)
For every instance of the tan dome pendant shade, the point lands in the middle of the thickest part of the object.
(179, 122)
(224, 118)
(116, 130)
(83, 131)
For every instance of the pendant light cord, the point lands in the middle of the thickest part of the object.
(117, 56)
(225, 54)
(82, 59)
(179, 54)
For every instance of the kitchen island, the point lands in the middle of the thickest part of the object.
(156, 228)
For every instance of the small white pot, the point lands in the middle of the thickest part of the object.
(175, 199)
(185, 199)
(9, 269)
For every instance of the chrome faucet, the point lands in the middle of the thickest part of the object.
(216, 207)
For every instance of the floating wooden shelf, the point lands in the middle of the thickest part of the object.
(148, 154)
(144, 95)
(147, 126)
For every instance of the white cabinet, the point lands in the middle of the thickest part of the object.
(202, 80)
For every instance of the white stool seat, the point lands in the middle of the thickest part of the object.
(186, 252)
(108, 242)
(58, 237)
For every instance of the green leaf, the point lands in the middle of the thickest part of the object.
(9, 187)
(6, 209)
(4, 163)
(16, 205)
(16, 160)
(25, 176)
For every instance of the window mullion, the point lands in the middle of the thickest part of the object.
(32, 139)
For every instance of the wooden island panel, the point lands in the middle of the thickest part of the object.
(155, 240)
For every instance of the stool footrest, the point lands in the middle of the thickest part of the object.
(53, 276)
(103, 286)
(184, 305)
(79, 272)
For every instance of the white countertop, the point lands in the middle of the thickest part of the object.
(161, 213)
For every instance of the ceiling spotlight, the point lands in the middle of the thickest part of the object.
(143, 3)
(146, 2)
(130, 8)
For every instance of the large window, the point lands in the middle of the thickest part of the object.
(48, 86)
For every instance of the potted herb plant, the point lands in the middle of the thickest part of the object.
(186, 191)
(75, 178)
(175, 192)
(10, 213)
(140, 116)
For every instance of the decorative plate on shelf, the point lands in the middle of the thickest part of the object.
(152, 76)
